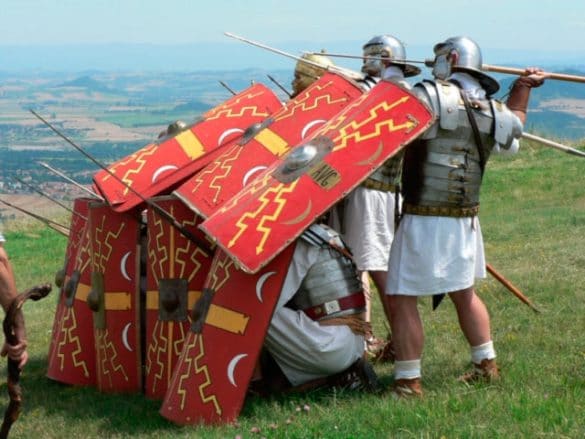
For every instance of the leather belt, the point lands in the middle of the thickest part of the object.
(355, 300)
(456, 212)
(370, 183)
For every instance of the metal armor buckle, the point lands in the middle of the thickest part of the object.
(331, 307)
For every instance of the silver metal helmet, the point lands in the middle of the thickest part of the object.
(468, 59)
(386, 46)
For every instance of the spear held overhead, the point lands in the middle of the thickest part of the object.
(484, 67)
(548, 75)
(342, 71)
(374, 58)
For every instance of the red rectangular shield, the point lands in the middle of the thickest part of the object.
(176, 270)
(275, 208)
(157, 167)
(114, 298)
(71, 358)
(210, 381)
(229, 173)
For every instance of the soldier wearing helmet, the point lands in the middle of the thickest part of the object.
(386, 46)
(368, 214)
(316, 335)
(308, 72)
(438, 248)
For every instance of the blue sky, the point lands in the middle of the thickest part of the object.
(542, 26)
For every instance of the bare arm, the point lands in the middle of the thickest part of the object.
(8, 292)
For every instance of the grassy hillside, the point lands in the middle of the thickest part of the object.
(533, 220)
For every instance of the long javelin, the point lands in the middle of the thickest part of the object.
(70, 180)
(59, 228)
(336, 69)
(554, 145)
(163, 213)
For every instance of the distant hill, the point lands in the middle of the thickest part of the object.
(88, 83)
(194, 106)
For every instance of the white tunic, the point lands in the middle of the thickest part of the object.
(303, 349)
(435, 254)
(368, 227)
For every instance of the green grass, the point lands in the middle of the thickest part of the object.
(533, 221)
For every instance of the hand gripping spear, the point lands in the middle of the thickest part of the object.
(14, 391)
(163, 213)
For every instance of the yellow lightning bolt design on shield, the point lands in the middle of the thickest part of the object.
(228, 110)
(351, 132)
(334, 123)
(226, 167)
(108, 356)
(105, 247)
(279, 191)
(139, 159)
(188, 252)
(308, 104)
(157, 250)
(156, 350)
(193, 363)
(69, 338)
(83, 259)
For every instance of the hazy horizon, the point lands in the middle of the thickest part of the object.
(176, 35)
(229, 56)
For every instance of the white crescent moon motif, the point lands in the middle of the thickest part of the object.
(252, 172)
(123, 266)
(227, 133)
(260, 284)
(310, 125)
(125, 337)
(161, 170)
(232, 366)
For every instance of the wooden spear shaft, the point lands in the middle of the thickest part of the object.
(511, 287)
(552, 144)
(549, 75)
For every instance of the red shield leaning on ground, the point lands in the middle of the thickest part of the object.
(176, 269)
(114, 298)
(230, 321)
(242, 160)
(274, 209)
(156, 168)
(71, 358)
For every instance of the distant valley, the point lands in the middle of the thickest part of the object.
(111, 115)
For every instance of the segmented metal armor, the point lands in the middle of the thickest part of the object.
(331, 287)
(443, 169)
